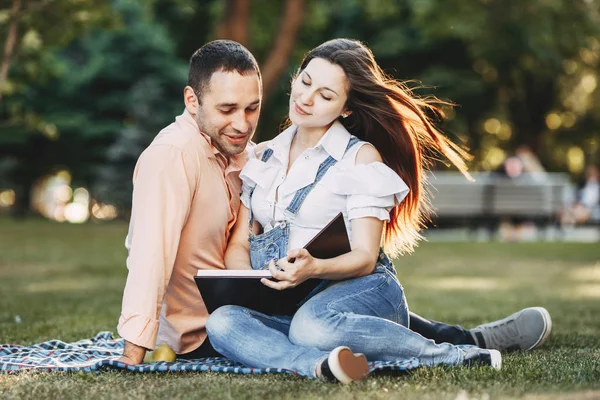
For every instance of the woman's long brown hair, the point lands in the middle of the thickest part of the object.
(386, 114)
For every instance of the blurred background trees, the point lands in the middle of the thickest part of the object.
(87, 84)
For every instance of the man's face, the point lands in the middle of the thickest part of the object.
(229, 110)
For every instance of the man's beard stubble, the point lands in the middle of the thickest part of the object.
(220, 142)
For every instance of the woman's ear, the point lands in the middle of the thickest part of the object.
(346, 113)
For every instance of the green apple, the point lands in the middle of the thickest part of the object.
(148, 357)
(163, 353)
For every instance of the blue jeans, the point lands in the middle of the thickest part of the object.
(367, 314)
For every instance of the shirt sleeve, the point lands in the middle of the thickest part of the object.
(372, 190)
(163, 186)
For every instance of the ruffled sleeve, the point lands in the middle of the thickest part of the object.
(256, 173)
(372, 190)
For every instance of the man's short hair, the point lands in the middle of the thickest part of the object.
(219, 55)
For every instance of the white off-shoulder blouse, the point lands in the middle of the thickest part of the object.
(364, 190)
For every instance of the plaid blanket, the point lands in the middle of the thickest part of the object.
(101, 352)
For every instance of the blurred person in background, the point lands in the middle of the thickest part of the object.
(524, 164)
(531, 163)
(586, 205)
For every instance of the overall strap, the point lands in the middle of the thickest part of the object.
(301, 194)
(267, 154)
(265, 157)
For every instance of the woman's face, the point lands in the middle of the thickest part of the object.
(319, 94)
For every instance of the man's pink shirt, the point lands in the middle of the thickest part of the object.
(186, 196)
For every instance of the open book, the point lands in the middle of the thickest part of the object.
(243, 287)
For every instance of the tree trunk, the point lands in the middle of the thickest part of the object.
(9, 45)
(528, 111)
(234, 25)
(277, 60)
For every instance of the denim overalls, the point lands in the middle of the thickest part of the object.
(273, 245)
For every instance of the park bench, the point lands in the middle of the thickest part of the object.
(494, 197)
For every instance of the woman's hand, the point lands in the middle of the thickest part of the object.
(294, 272)
(361, 261)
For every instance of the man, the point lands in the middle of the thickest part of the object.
(185, 202)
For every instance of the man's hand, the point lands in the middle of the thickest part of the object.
(298, 266)
(132, 354)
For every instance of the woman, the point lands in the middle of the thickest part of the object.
(586, 205)
(359, 144)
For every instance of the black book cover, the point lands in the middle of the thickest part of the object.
(249, 292)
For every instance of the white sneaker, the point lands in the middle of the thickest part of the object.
(479, 357)
(344, 366)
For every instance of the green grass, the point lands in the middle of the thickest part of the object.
(66, 282)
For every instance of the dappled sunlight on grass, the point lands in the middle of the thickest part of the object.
(585, 291)
(462, 283)
(589, 290)
(17, 270)
(591, 273)
(60, 285)
(71, 285)
(588, 395)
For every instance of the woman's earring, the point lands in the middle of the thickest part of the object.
(344, 115)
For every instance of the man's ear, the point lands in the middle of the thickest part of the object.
(191, 100)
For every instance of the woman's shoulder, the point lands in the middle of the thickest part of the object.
(361, 152)
(364, 172)
(367, 154)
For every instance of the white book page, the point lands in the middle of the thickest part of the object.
(234, 273)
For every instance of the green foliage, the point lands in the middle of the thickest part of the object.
(107, 82)
(519, 50)
(85, 95)
(42, 26)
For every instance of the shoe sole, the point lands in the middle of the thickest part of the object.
(496, 359)
(547, 327)
(346, 366)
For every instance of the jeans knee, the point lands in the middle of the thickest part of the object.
(221, 321)
(317, 330)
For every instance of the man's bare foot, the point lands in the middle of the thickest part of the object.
(132, 354)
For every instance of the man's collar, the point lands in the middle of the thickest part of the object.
(334, 141)
(191, 122)
(237, 162)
